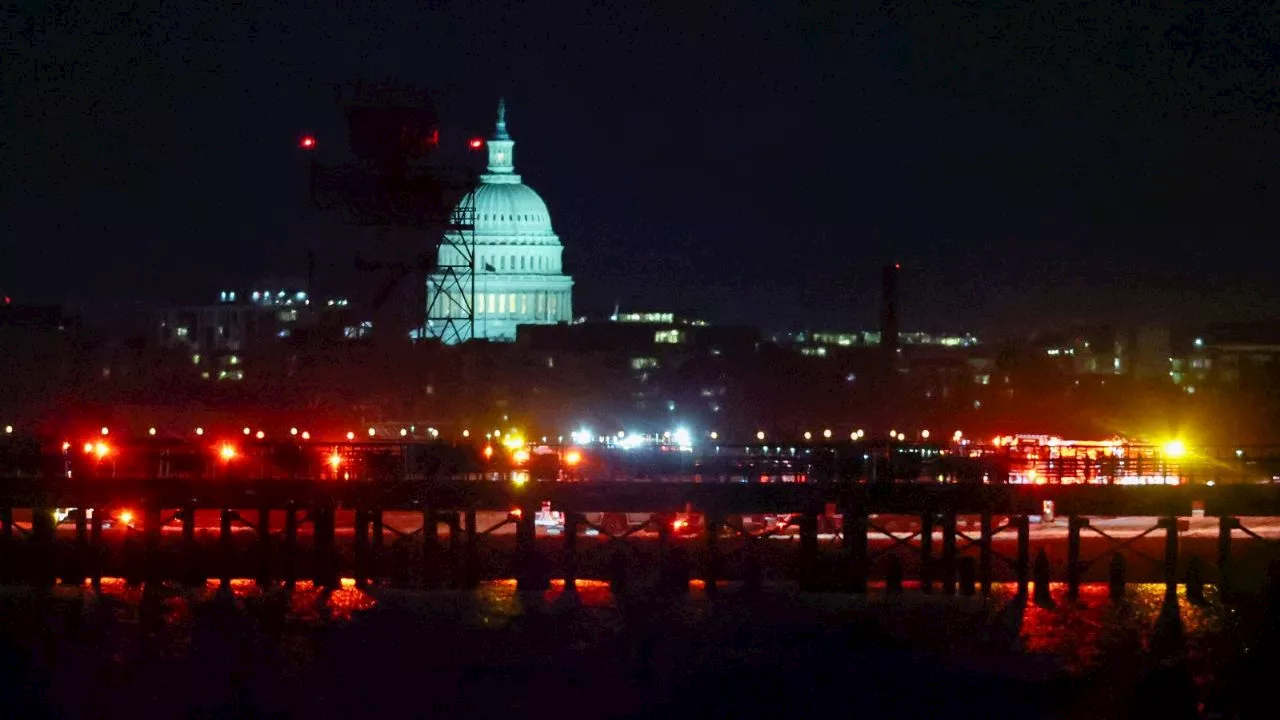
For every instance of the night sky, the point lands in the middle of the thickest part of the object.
(1027, 163)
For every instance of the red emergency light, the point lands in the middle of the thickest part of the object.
(307, 142)
(475, 143)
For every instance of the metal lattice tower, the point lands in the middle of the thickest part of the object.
(451, 289)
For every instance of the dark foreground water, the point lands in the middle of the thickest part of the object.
(496, 653)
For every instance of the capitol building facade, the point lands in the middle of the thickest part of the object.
(519, 279)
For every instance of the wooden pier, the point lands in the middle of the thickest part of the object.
(447, 548)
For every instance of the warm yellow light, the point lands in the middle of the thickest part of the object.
(466, 433)
(488, 452)
(924, 434)
(246, 431)
(101, 450)
(306, 435)
(105, 430)
(760, 435)
(1175, 449)
(293, 431)
(372, 432)
(521, 456)
(66, 446)
(715, 435)
(511, 442)
(335, 460)
(808, 435)
(351, 435)
(957, 435)
(227, 452)
(827, 433)
(88, 448)
(260, 435)
(199, 431)
(126, 517)
(151, 431)
(573, 457)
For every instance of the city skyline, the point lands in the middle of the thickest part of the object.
(755, 166)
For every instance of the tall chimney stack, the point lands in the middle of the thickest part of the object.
(889, 309)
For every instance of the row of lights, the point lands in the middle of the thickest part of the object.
(957, 436)
(226, 452)
(260, 434)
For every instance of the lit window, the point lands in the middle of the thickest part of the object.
(667, 336)
(502, 304)
(493, 303)
(511, 303)
(540, 304)
(551, 305)
(480, 307)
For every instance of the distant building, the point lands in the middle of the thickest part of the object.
(39, 355)
(216, 335)
(825, 343)
(1151, 353)
(519, 279)
(643, 334)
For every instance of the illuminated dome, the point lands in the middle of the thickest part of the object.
(518, 275)
(512, 211)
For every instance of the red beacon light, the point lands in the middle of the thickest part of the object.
(307, 142)
(475, 143)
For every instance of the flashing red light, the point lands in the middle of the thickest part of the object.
(227, 453)
(126, 517)
(678, 524)
(475, 143)
(307, 142)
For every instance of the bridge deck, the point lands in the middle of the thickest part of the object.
(710, 497)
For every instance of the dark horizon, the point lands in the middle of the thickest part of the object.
(1028, 167)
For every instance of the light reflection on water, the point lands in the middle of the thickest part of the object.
(1075, 633)
(1073, 638)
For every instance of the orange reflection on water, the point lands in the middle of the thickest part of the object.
(311, 604)
(1080, 634)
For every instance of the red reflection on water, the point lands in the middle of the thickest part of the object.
(311, 604)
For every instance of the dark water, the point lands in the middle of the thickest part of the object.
(238, 653)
